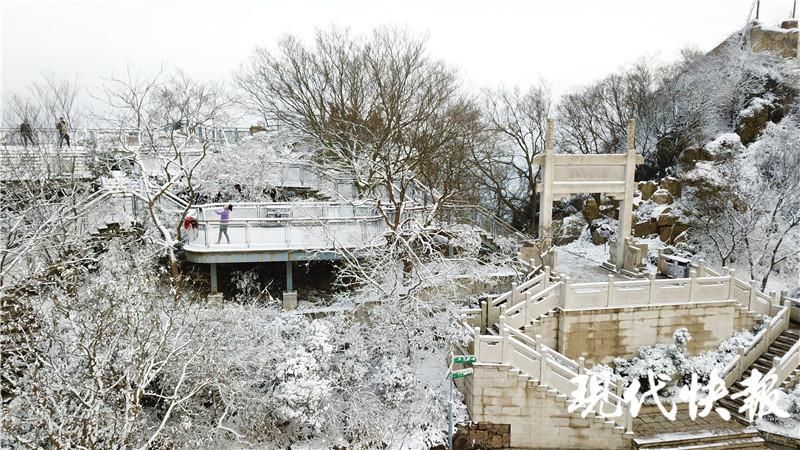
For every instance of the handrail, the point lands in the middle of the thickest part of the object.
(496, 221)
(545, 365)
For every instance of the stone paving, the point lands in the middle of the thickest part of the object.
(651, 426)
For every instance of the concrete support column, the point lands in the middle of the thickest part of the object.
(290, 296)
(546, 199)
(626, 208)
(289, 281)
(214, 285)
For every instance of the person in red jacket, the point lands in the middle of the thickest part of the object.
(189, 228)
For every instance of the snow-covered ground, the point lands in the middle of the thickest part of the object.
(789, 426)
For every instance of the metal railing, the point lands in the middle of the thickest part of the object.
(89, 137)
(291, 226)
(481, 217)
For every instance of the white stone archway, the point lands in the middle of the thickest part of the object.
(610, 174)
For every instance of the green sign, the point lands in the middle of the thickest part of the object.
(464, 359)
(460, 373)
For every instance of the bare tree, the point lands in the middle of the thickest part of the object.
(43, 103)
(379, 109)
(166, 115)
(514, 125)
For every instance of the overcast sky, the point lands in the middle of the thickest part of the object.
(492, 42)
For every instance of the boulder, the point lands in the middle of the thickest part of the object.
(678, 229)
(662, 197)
(597, 239)
(665, 233)
(672, 185)
(753, 120)
(569, 229)
(665, 219)
(591, 210)
(645, 228)
(681, 238)
(647, 188)
(257, 129)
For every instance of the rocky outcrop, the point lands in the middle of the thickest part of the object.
(569, 229)
(672, 185)
(780, 41)
(754, 119)
(690, 156)
(591, 210)
(645, 228)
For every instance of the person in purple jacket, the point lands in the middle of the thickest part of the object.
(224, 219)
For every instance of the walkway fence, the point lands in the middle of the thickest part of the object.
(92, 137)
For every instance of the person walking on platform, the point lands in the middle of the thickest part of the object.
(224, 220)
(26, 132)
(63, 132)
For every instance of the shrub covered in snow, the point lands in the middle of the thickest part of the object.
(673, 361)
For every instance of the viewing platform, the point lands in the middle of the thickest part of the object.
(295, 231)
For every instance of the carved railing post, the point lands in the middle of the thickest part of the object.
(731, 284)
(514, 292)
(476, 344)
(564, 290)
(652, 292)
(506, 348)
(546, 280)
(740, 362)
(753, 294)
(692, 281)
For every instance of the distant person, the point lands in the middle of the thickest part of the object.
(63, 132)
(224, 219)
(26, 132)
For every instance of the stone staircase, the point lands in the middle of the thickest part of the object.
(746, 438)
(778, 348)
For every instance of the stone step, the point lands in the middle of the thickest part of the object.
(705, 437)
(744, 443)
(781, 345)
(786, 339)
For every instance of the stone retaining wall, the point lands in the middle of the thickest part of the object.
(600, 335)
(537, 417)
